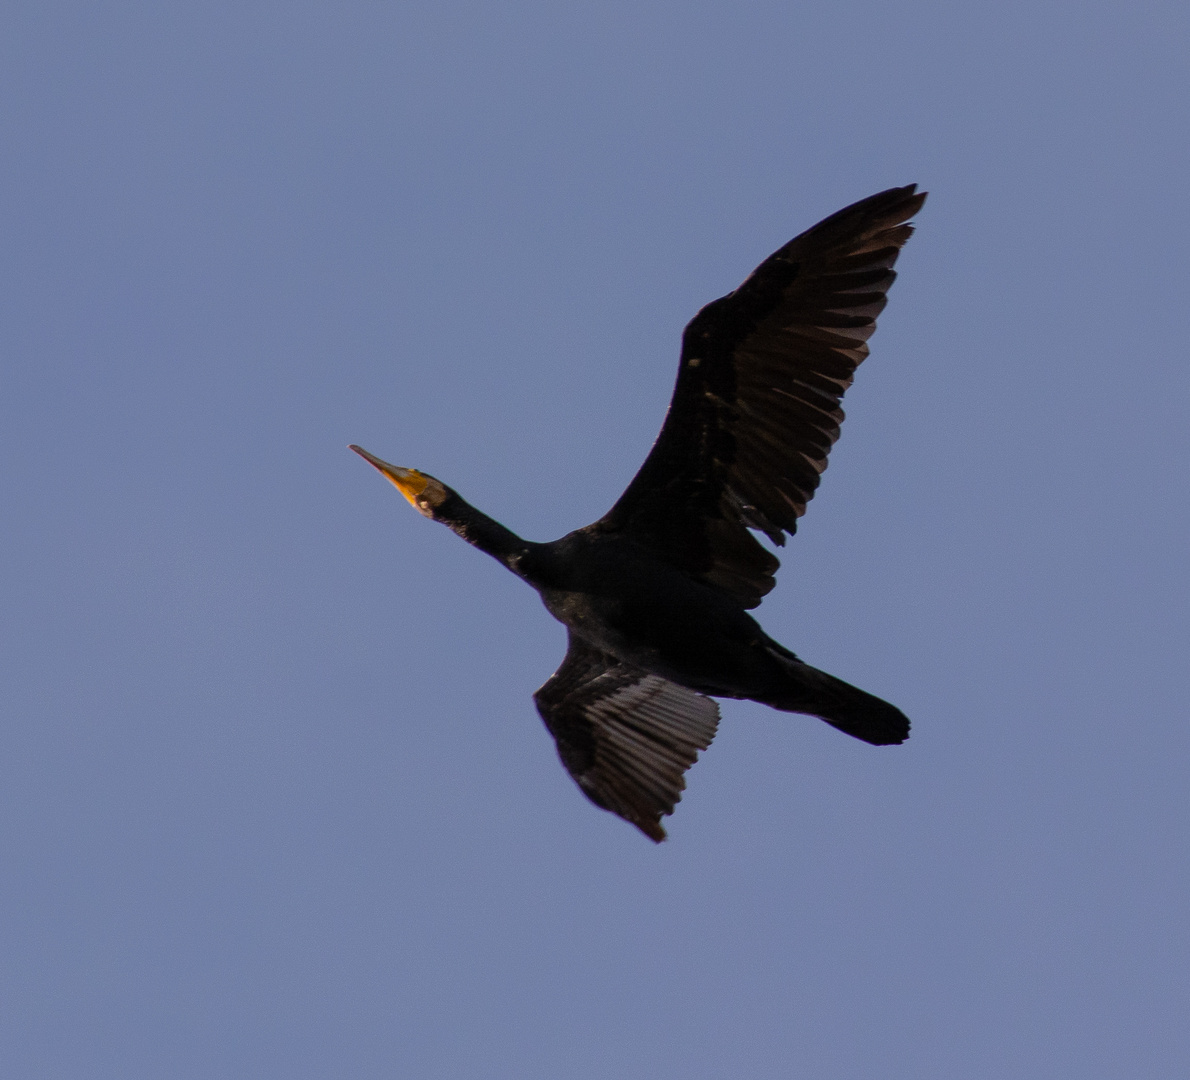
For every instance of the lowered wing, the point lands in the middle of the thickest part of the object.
(627, 737)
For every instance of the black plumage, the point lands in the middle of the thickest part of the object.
(654, 594)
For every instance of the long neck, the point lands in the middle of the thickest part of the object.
(481, 531)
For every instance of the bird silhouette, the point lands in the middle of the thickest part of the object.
(655, 594)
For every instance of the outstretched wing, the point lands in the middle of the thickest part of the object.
(756, 406)
(624, 735)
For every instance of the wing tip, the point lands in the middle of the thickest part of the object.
(889, 209)
(914, 200)
(653, 830)
(885, 210)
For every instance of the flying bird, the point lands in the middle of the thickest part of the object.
(655, 594)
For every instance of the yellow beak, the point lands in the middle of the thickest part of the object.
(409, 482)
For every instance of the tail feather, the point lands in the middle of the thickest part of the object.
(840, 704)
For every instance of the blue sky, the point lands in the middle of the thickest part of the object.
(275, 800)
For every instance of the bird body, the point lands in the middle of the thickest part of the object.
(620, 598)
(655, 595)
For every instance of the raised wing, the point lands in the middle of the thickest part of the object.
(625, 736)
(756, 406)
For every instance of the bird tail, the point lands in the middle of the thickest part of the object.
(840, 704)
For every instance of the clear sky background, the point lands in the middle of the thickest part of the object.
(275, 801)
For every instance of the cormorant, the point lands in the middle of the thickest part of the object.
(655, 594)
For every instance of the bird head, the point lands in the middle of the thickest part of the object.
(425, 494)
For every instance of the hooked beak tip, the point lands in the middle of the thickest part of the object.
(371, 459)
